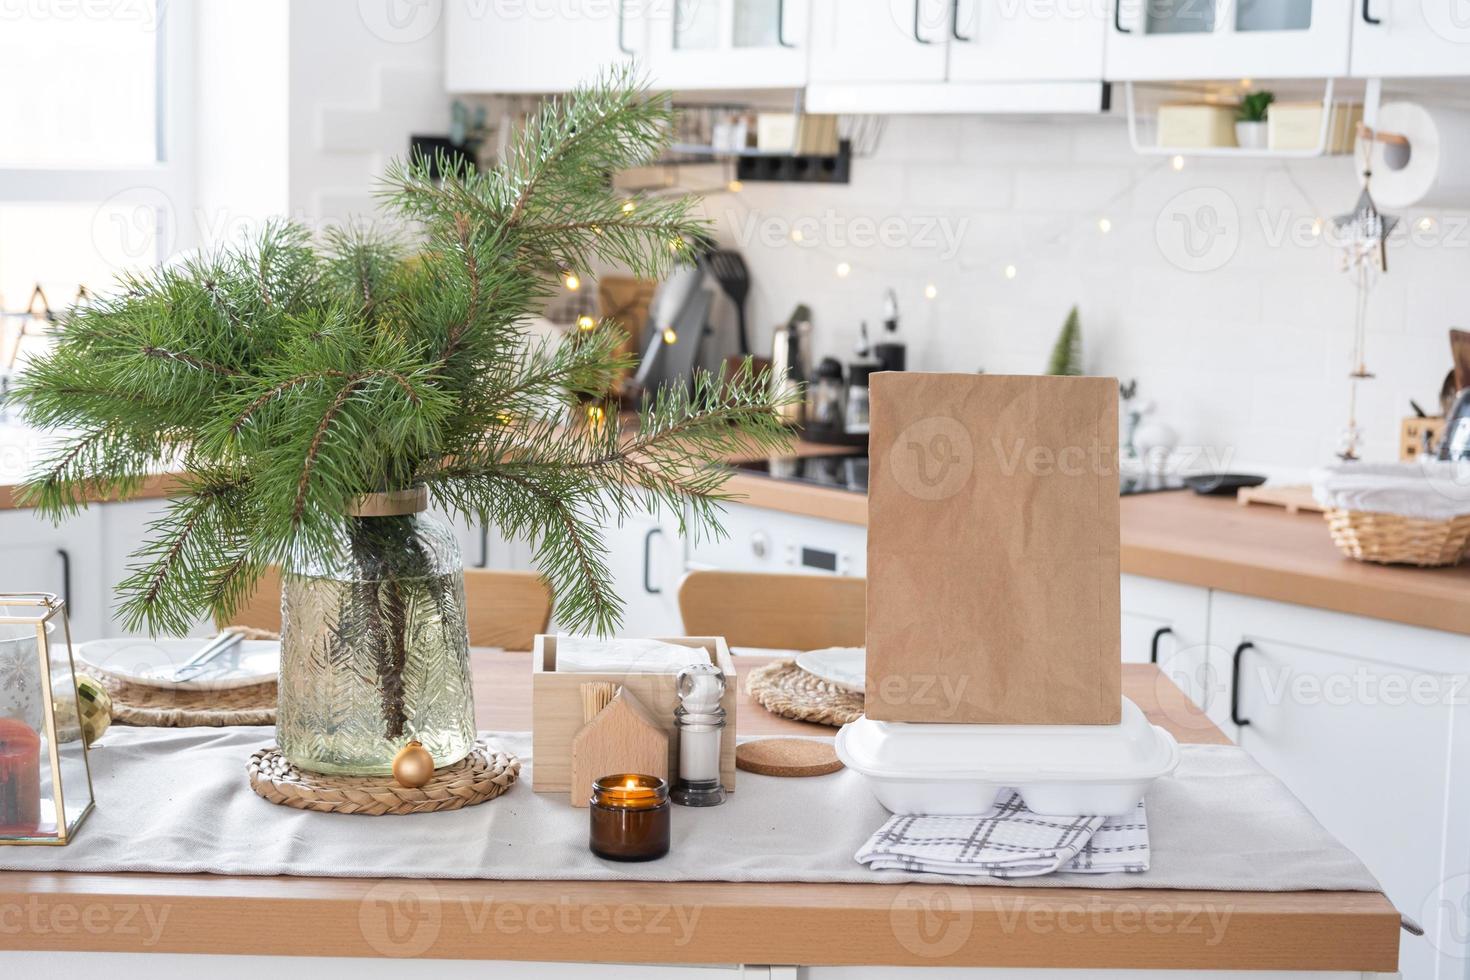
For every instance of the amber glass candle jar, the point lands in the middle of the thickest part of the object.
(629, 816)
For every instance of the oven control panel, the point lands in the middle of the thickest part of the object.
(760, 540)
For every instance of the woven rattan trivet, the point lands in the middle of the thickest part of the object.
(482, 775)
(155, 707)
(785, 689)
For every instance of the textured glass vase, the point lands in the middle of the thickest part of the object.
(374, 647)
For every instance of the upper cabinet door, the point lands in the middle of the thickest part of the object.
(491, 47)
(1185, 39)
(727, 44)
(1411, 38)
(1012, 42)
(855, 41)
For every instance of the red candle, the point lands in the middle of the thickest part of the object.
(20, 778)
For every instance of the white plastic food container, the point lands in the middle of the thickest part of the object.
(1059, 770)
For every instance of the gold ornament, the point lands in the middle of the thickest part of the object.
(96, 707)
(413, 766)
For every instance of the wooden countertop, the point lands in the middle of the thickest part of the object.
(1214, 542)
(710, 922)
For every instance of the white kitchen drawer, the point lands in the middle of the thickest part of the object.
(1168, 624)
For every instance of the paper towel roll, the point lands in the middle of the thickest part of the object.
(1437, 171)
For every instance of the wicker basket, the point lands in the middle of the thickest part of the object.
(1394, 539)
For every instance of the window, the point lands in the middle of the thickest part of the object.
(93, 177)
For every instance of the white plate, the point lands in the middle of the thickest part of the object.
(847, 667)
(151, 663)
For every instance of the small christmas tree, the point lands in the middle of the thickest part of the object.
(1066, 354)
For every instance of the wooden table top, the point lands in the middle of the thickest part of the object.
(709, 922)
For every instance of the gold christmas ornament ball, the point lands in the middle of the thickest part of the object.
(95, 705)
(413, 766)
(87, 715)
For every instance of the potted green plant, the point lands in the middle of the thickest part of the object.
(320, 396)
(1250, 120)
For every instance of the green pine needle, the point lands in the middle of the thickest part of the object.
(289, 376)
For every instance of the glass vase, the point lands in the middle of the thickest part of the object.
(374, 644)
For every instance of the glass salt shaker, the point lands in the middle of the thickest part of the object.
(700, 719)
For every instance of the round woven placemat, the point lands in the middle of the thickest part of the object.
(785, 689)
(482, 775)
(157, 707)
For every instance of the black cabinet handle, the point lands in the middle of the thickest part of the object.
(954, 23)
(622, 20)
(1368, 17)
(781, 25)
(1153, 646)
(1235, 683)
(648, 561)
(66, 581)
(917, 36)
(1118, 18)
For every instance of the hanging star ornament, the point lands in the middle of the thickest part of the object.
(1364, 232)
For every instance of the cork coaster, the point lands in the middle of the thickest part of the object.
(482, 775)
(787, 757)
(785, 689)
(157, 707)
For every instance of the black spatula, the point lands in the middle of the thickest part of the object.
(730, 272)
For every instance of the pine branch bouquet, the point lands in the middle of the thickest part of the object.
(292, 380)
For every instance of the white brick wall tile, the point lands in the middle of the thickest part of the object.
(1249, 358)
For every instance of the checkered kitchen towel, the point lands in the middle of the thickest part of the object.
(1009, 842)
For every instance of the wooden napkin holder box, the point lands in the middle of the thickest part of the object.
(556, 709)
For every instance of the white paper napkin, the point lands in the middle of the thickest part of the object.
(1009, 842)
(589, 655)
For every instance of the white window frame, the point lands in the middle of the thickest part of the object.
(170, 178)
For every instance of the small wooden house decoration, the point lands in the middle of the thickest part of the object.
(622, 737)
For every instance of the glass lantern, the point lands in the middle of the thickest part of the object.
(45, 778)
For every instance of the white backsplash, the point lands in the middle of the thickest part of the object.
(1247, 357)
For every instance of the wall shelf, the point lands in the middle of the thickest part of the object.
(1142, 128)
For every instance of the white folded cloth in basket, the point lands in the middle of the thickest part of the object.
(1432, 490)
(1009, 842)
(589, 655)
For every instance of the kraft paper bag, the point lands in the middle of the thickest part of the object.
(993, 550)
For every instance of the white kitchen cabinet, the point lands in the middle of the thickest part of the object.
(1409, 38)
(728, 44)
(646, 561)
(996, 42)
(540, 47)
(1367, 723)
(1169, 624)
(37, 556)
(1187, 39)
(874, 41)
(481, 546)
(122, 529)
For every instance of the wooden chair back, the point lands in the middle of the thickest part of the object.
(786, 612)
(504, 609)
